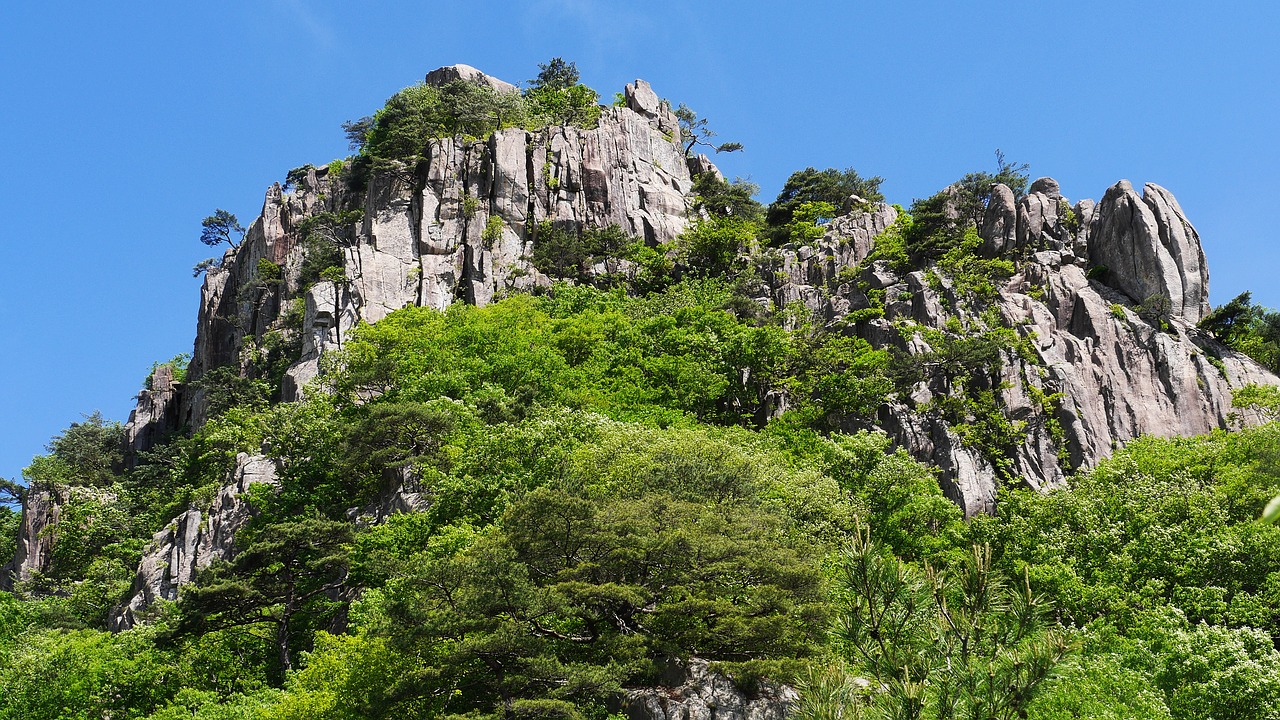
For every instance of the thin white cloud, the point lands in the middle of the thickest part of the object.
(319, 31)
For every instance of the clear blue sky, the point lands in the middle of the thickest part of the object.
(122, 128)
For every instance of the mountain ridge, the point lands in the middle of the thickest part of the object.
(426, 238)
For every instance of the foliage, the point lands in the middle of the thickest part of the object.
(973, 276)
(942, 221)
(665, 366)
(808, 221)
(84, 673)
(1263, 399)
(205, 266)
(715, 246)
(974, 189)
(221, 227)
(324, 235)
(694, 132)
(1251, 329)
(828, 186)
(721, 199)
(592, 581)
(283, 576)
(1165, 522)
(958, 644)
(556, 97)
(556, 74)
(492, 231)
(224, 388)
(412, 118)
(86, 453)
(178, 365)
(567, 251)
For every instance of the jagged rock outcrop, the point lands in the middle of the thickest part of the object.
(1149, 250)
(41, 510)
(999, 229)
(801, 272)
(192, 541)
(691, 691)
(450, 73)
(461, 226)
(458, 227)
(156, 415)
(1102, 373)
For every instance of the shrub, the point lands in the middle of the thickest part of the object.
(492, 231)
(827, 186)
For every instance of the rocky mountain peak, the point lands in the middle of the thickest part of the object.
(1103, 299)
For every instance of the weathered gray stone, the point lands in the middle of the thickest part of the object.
(450, 73)
(156, 415)
(1046, 186)
(1000, 222)
(192, 541)
(1183, 243)
(1039, 222)
(966, 477)
(1149, 249)
(642, 99)
(691, 691)
(858, 231)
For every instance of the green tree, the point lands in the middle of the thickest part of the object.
(574, 596)
(1248, 328)
(958, 644)
(221, 227)
(558, 97)
(285, 574)
(713, 247)
(720, 198)
(974, 189)
(694, 132)
(830, 186)
(556, 74)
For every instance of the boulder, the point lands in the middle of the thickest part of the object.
(1046, 186)
(1148, 249)
(450, 73)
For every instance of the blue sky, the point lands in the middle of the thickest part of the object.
(122, 128)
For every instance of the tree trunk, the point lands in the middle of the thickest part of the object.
(282, 643)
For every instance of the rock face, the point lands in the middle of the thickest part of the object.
(41, 511)
(1148, 249)
(34, 553)
(450, 73)
(1115, 374)
(461, 226)
(192, 541)
(1000, 223)
(693, 692)
(156, 415)
(458, 227)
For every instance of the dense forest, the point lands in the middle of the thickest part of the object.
(610, 484)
